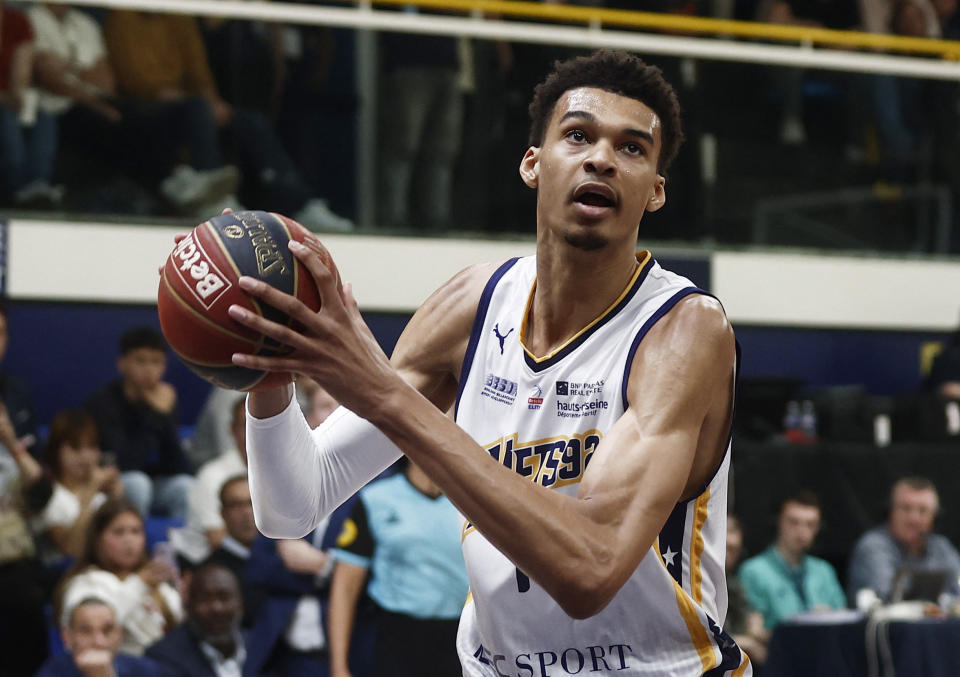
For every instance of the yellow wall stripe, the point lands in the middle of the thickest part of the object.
(696, 545)
(693, 24)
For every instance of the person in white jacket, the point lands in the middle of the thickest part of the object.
(114, 565)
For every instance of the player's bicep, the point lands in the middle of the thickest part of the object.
(649, 456)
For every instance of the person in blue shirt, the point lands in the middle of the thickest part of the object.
(92, 637)
(405, 535)
(784, 580)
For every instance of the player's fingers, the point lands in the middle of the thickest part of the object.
(272, 364)
(278, 332)
(226, 210)
(290, 305)
(318, 262)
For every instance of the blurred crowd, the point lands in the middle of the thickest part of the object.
(128, 112)
(126, 549)
(126, 546)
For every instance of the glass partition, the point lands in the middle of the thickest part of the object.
(359, 131)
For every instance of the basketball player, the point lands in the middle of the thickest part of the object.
(592, 394)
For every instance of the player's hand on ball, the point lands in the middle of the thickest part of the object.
(333, 346)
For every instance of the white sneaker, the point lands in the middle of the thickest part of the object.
(316, 215)
(211, 208)
(39, 190)
(187, 187)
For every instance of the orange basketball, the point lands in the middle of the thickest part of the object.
(199, 283)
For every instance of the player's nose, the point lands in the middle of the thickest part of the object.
(600, 159)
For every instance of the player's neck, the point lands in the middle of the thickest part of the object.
(573, 289)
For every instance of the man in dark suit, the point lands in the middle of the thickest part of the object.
(208, 643)
(92, 636)
(234, 550)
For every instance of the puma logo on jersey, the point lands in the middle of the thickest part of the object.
(501, 337)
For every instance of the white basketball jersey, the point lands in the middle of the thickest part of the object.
(544, 418)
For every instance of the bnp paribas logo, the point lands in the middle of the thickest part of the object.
(563, 388)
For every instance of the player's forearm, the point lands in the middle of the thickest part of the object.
(299, 476)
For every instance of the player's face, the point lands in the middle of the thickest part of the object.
(122, 543)
(596, 172)
(912, 514)
(798, 527)
(92, 626)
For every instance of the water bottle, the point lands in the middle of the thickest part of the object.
(808, 420)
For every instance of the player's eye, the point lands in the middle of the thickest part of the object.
(576, 135)
(634, 149)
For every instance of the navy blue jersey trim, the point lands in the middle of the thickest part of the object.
(477, 329)
(729, 651)
(670, 540)
(652, 320)
(661, 311)
(537, 367)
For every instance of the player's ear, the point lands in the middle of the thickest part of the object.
(658, 194)
(530, 167)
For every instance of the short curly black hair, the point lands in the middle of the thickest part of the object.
(617, 72)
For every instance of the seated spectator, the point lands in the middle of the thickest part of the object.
(743, 623)
(137, 419)
(204, 514)
(14, 394)
(80, 486)
(181, 77)
(401, 542)
(208, 643)
(905, 542)
(92, 636)
(26, 133)
(234, 549)
(24, 491)
(785, 580)
(114, 565)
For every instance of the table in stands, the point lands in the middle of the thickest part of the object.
(924, 648)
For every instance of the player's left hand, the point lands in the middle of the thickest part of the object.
(334, 345)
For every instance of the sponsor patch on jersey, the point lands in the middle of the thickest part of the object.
(535, 401)
(499, 389)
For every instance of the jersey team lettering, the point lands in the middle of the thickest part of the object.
(550, 462)
(571, 661)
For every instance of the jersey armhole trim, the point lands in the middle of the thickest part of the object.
(477, 328)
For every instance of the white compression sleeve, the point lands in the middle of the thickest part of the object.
(298, 476)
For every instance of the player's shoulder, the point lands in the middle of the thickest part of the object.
(459, 297)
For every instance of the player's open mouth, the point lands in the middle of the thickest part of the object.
(594, 199)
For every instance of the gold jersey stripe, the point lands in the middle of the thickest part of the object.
(696, 545)
(642, 257)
